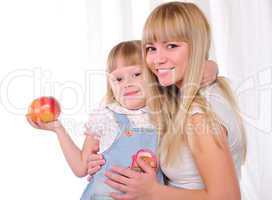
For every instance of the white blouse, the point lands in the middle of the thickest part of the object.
(103, 124)
(186, 175)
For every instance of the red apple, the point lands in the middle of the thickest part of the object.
(45, 109)
(147, 156)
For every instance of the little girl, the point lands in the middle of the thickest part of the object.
(118, 129)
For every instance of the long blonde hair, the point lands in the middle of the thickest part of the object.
(131, 54)
(169, 107)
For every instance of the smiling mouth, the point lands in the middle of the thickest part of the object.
(162, 71)
(131, 93)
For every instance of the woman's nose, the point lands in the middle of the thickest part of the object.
(160, 58)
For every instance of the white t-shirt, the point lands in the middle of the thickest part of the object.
(102, 122)
(186, 175)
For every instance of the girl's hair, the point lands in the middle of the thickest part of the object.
(130, 54)
(169, 107)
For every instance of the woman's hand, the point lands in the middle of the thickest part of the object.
(210, 73)
(49, 126)
(134, 185)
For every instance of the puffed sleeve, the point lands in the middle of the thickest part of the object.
(96, 122)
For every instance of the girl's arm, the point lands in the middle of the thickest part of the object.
(214, 164)
(76, 158)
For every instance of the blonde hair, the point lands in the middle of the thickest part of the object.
(131, 54)
(178, 21)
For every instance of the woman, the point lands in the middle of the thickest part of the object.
(202, 139)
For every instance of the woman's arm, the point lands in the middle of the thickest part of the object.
(214, 163)
(213, 159)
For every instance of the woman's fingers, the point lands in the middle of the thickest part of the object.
(117, 177)
(118, 186)
(118, 196)
(125, 171)
(145, 167)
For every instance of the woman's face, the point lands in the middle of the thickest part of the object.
(168, 61)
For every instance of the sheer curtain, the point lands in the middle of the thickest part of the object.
(242, 46)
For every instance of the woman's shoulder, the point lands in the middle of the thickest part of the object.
(216, 97)
(224, 110)
(216, 101)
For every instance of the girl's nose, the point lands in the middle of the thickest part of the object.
(128, 82)
(128, 85)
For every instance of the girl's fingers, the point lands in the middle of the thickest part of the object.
(93, 164)
(95, 157)
(33, 124)
(41, 124)
(89, 178)
(93, 170)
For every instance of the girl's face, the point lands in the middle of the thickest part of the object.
(127, 85)
(168, 61)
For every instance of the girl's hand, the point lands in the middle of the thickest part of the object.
(95, 161)
(210, 73)
(134, 185)
(50, 126)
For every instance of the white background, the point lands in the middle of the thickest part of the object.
(59, 48)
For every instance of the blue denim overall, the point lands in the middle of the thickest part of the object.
(126, 144)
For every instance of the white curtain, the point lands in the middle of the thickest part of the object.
(242, 47)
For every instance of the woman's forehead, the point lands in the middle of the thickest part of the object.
(161, 36)
(164, 28)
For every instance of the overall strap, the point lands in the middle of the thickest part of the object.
(122, 121)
